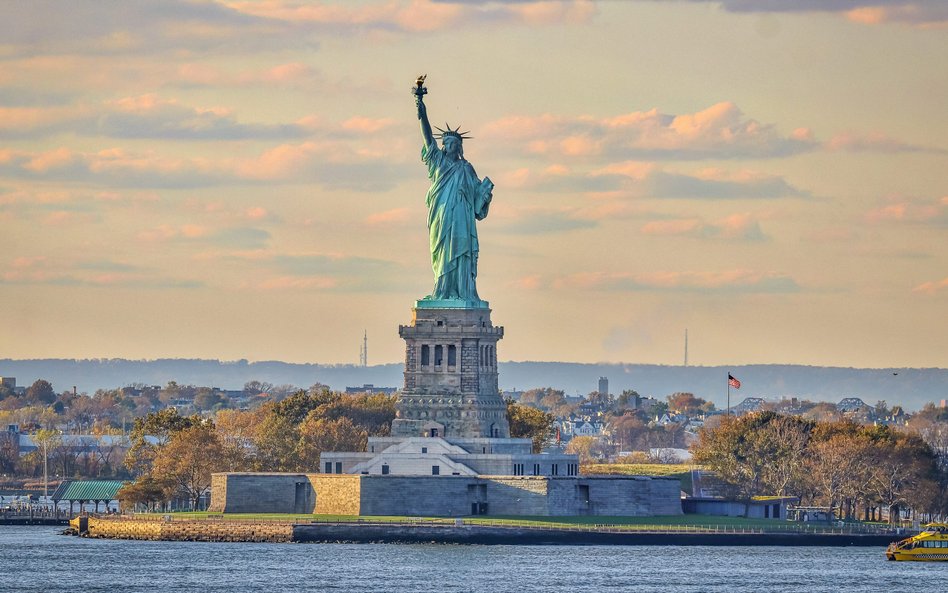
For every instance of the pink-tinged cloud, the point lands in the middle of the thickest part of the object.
(332, 163)
(366, 125)
(147, 116)
(685, 226)
(913, 13)
(58, 158)
(68, 218)
(932, 288)
(633, 179)
(26, 262)
(729, 281)
(162, 232)
(720, 131)
(611, 208)
(289, 74)
(872, 142)
(412, 16)
(24, 120)
(904, 210)
(286, 73)
(256, 213)
(532, 282)
(285, 160)
(741, 226)
(631, 169)
(396, 217)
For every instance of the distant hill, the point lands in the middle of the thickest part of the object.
(908, 387)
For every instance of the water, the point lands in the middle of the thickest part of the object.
(37, 559)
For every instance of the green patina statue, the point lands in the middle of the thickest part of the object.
(455, 200)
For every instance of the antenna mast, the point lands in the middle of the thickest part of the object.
(364, 351)
(686, 346)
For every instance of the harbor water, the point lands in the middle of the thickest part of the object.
(38, 559)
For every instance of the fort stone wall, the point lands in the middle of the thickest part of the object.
(354, 494)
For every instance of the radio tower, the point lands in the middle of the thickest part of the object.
(364, 351)
(686, 346)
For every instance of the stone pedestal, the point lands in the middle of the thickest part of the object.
(451, 375)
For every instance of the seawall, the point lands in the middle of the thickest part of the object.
(224, 530)
(196, 530)
(494, 535)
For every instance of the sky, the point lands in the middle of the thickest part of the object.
(242, 179)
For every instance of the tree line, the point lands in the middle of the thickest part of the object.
(174, 457)
(860, 471)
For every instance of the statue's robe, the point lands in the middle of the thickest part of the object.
(455, 199)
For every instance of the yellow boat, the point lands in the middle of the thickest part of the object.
(930, 545)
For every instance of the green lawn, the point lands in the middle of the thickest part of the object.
(638, 469)
(677, 470)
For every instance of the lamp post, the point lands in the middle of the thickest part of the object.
(45, 470)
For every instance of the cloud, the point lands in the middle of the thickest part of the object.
(730, 281)
(319, 271)
(143, 116)
(396, 217)
(331, 163)
(650, 180)
(284, 75)
(533, 220)
(933, 288)
(735, 227)
(922, 13)
(898, 209)
(42, 270)
(720, 132)
(231, 237)
(139, 27)
(317, 264)
(874, 142)
(416, 16)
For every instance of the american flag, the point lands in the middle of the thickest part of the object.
(733, 382)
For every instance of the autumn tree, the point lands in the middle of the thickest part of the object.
(41, 392)
(688, 403)
(208, 399)
(239, 429)
(279, 442)
(147, 491)
(530, 423)
(257, 387)
(189, 458)
(742, 451)
(544, 398)
(588, 448)
(150, 433)
(627, 431)
(581, 446)
(319, 434)
(276, 444)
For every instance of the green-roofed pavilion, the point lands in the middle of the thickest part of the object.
(87, 491)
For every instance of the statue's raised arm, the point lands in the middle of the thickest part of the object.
(456, 199)
(420, 91)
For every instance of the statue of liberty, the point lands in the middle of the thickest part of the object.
(455, 200)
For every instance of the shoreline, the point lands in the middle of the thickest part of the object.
(223, 530)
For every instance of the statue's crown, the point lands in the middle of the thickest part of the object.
(449, 132)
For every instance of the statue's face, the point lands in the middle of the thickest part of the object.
(451, 144)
